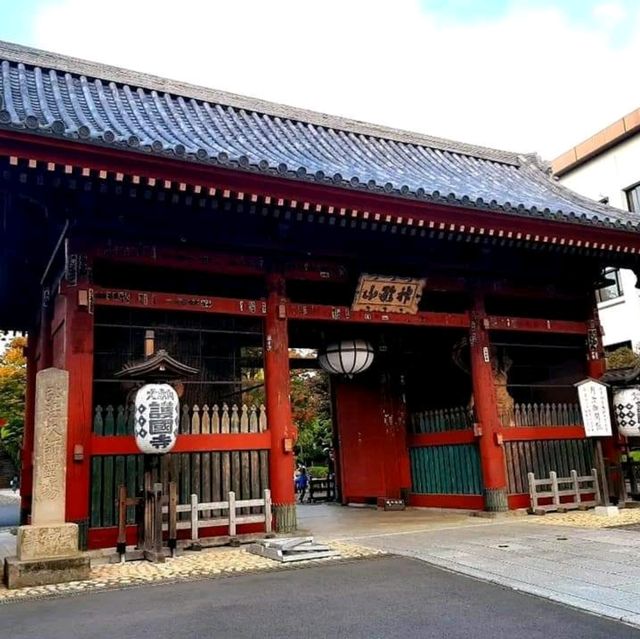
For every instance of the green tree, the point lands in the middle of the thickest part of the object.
(311, 407)
(13, 381)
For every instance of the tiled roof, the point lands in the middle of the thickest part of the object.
(73, 99)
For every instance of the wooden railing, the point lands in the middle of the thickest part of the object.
(201, 514)
(441, 420)
(541, 414)
(564, 493)
(194, 420)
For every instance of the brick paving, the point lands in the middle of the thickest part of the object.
(218, 562)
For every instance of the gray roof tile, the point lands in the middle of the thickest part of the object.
(75, 99)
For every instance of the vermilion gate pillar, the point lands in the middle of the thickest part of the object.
(278, 406)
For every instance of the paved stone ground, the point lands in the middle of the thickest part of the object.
(597, 570)
(588, 519)
(210, 563)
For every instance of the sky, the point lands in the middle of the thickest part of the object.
(523, 75)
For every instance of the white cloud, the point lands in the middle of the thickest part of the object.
(610, 13)
(529, 80)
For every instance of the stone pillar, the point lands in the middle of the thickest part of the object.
(278, 405)
(47, 550)
(492, 460)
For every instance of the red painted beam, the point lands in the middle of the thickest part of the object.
(533, 433)
(444, 217)
(442, 439)
(212, 262)
(534, 325)
(126, 444)
(466, 502)
(320, 312)
(179, 302)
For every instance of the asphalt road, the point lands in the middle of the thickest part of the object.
(388, 597)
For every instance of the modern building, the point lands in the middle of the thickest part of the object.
(606, 168)
(448, 286)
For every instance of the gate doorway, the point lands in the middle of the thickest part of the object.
(372, 413)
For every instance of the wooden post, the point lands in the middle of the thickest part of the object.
(533, 494)
(194, 517)
(278, 405)
(575, 485)
(152, 545)
(267, 512)
(232, 514)
(602, 471)
(553, 476)
(157, 522)
(607, 448)
(121, 547)
(492, 458)
(77, 356)
(172, 517)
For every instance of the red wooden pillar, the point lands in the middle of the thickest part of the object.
(78, 361)
(492, 459)
(278, 406)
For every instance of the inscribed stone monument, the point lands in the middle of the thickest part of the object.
(47, 550)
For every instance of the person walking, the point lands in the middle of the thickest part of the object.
(302, 483)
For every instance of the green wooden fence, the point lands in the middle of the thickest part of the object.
(210, 475)
(446, 470)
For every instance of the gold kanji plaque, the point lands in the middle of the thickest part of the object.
(388, 294)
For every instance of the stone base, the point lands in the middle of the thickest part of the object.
(495, 500)
(40, 572)
(47, 542)
(607, 511)
(285, 519)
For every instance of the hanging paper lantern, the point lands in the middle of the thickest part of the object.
(626, 407)
(348, 357)
(157, 418)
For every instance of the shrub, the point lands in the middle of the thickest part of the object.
(622, 357)
(318, 472)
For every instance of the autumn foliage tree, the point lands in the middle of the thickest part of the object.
(311, 408)
(13, 380)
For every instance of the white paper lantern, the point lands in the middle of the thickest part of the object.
(348, 357)
(626, 406)
(157, 418)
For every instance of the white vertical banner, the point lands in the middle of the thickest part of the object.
(594, 405)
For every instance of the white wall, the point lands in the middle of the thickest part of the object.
(608, 175)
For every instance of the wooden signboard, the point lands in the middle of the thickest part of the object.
(594, 405)
(388, 294)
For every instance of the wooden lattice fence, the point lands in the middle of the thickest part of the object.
(543, 414)
(441, 420)
(194, 420)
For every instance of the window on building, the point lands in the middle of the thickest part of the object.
(633, 198)
(613, 290)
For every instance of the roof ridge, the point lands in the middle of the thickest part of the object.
(18, 53)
